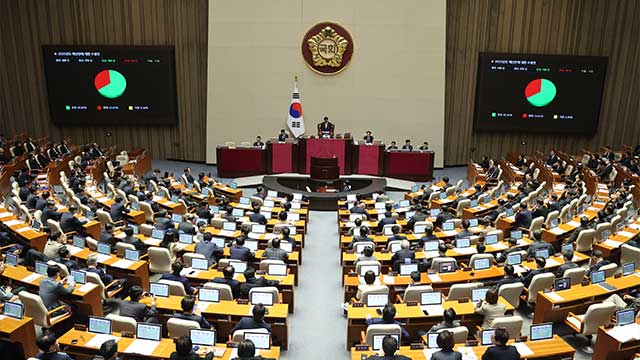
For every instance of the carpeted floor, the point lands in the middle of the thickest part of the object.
(318, 328)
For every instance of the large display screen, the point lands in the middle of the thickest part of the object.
(111, 85)
(539, 93)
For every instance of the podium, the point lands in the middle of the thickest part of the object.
(368, 158)
(282, 156)
(325, 169)
(339, 148)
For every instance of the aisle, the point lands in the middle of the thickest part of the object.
(318, 328)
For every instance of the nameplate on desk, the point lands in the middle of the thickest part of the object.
(412, 303)
(361, 347)
(357, 304)
(417, 346)
(352, 274)
(242, 301)
(463, 300)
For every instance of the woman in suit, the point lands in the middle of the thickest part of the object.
(445, 343)
(490, 308)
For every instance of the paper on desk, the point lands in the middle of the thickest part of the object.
(152, 242)
(551, 263)
(120, 235)
(253, 235)
(86, 287)
(142, 347)
(31, 278)
(190, 272)
(100, 339)
(122, 264)
(499, 246)
(625, 233)
(24, 229)
(625, 333)
(270, 236)
(573, 223)
(6, 214)
(554, 296)
(591, 208)
(435, 278)
(74, 249)
(102, 199)
(467, 353)
(450, 233)
(557, 231)
(523, 349)
(202, 306)
(103, 257)
(226, 233)
(612, 243)
(433, 309)
(388, 279)
(465, 251)
(13, 222)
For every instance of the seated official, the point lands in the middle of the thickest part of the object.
(392, 146)
(203, 212)
(92, 266)
(171, 243)
(396, 234)
(419, 214)
(70, 223)
(490, 308)
(187, 304)
(228, 279)
(258, 143)
(174, 275)
(257, 217)
(140, 312)
(403, 256)
(51, 291)
(108, 236)
(449, 321)
(284, 236)
(389, 349)
(424, 146)
(209, 249)
(64, 258)
(108, 351)
(465, 232)
(118, 210)
(442, 253)
(184, 350)
(49, 212)
(510, 277)
(389, 318)
(407, 145)
(247, 351)
(154, 205)
(596, 262)
(163, 221)
(50, 348)
(523, 217)
(538, 244)
(364, 237)
(325, 128)
(388, 218)
(187, 226)
(500, 350)
(274, 252)
(254, 322)
(240, 252)
(428, 236)
(444, 216)
(369, 283)
(445, 343)
(56, 241)
(568, 264)
(359, 208)
(251, 281)
(134, 240)
(367, 255)
(584, 225)
(355, 229)
(282, 136)
(540, 263)
(368, 138)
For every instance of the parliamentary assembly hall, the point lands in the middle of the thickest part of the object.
(319, 179)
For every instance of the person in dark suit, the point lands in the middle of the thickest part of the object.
(108, 351)
(31, 201)
(209, 249)
(407, 145)
(187, 226)
(325, 128)
(258, 143)
(42, 158)
(203, 212)
(252, 281)
(554, 204)
(465, 232)
(64, 258)
(136, 310)
(363, 237)
(254, 322)
(240, 252)
(92, 266)
(50, 212)
(70, 223)
(401, 256)
(392, 146)
(523, 217)
(419, 214)
(389, 348)
(388, 218)
(187, 174)
(154, 205)
(424, 146)
(163, 221)
(509, 278)
(540, 210)
(118, 210)
(51, 291)
(247, 351)
(443, 216)
(174, 275)
(184, 351)
(368, 138)
(50, 348)
(395, 230)
(256, 217)
(134, 240)
(584, 225)
(187, 304)
(428, 236)
(283, 136)
(596, 262)
(107, 235)
(95, 151)
(32, 162)
(389, 318)
(359, 208)
(568, 264)
(538, 244)
(540, 263)
(500, 350)
(228, 279)
(553, 158)
(445, 343)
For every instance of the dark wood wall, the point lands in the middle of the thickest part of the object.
(25, 25)
(575, 27)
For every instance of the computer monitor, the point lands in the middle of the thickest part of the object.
(379, 205)
(395, 247)
(158, 289)
(448, 226)
(292, 230)
(220, 242)
(473, 222)
(463, 243)
(104, 248)
(432, 340)
(491, 239)
(233, 185)
(135, 206)
(388, 230)
(566, 247)
(430, 298)
(514, 259)
(157, 234)
(297, 197)
(606, 234)
(481, 264)
(35, 224)
(404, 203)
(377, 300)
(79, 277)
(431, 245)
(238, 266)
(443, 195)
(516, 234)
(209, 295)
(199, 264)
(509, 211)
(434, 212)
(261, 297)
(277, 269)
(286, 246)
(478, 294)
(251, 244)
(407, 269)
(89, 214)
(415, 188)
(562, 284)
(473, 203)
(202, 337)
(237, 213)
(214, 209)
(486, 337)
(258, 228)
(296, 206)
(628, 268)
(185, 238)
(597, 277)
(420, 229)
(41, 268)
(365, 268)
(204, 191)
(176, 218)
(541, 331)
(245, 201)
(554, 222)
(272, 194)
(148, 331)
(132, 255)
(261, 341)
(99, 325)
(229, 226)
(13, 309)
(446, 267)
(544, 253)
(623, 317)
(11, 259)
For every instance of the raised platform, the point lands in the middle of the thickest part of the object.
(392, 183)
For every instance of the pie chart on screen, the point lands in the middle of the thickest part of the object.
(540, 92)
(110, 83)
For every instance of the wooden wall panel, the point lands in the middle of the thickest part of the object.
(575, 27)
(25, 25)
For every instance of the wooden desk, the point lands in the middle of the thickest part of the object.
(163, 351)
(609, 348)
(23, 231)
(137, 273)
(20, 332)
(136, 216)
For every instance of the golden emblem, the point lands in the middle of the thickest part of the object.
(327, 47)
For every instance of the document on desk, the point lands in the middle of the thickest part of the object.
(554, 296)
(499, 246)
(523, 349)
(226, 233)
(190, 272)
(31, 278)
(152, 242)
(556, 231)
(551, 263)
(6, 214)
(625, 234)
(74, 249)
(467, 353)
(25, 229)
(99, 339)
(634, 226)
(120, 235)
(573, 223)
(103, 257)
(433, 309)
(86, 287)
(388, 279)
(450, 233)
(253, 235)
(123, 264)
(13, 222)
(435, 278)
(625, 333)
(142, 347)
(465, 251)
(612, 243)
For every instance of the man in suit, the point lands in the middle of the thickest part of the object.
(538, 244)
(51, 291)
(252, 281)
(32, 162)
(428, 236)
(64, 258)
(368, 138)
(424, 146)
(140, 312)
(419, 214)
(363, 237)
(392, 146)
(187, 174)
(540, 269)
(56, 241)
(50, 212)
(92, 266)
(209, 249)
(187, 226)
(256, 217)
(388, 218)
(596, 262)
(49, 347)
(228, 279)
(42, 201)
(70, 223)
(107, 235)
(500, 350)
(240, 252)
(275, 252)
(118, 210)
(443, 216)
(554, 204)
(163, 221)
(149, 200)
(568, 264)
(541, 210)
(584, 225)
(465, 232)
(510, 277)
(325, 128)
(95, 151)
(523, 217)
(174, 275)
(402, 256)
(389, 318)
(254, 322)
(203, 212)
(258, 143)
(359, 208)
(134, 240)
(553, 158)
(283, 136)
(396, 234)
(407, 145)
(187, 304)
(389, 349)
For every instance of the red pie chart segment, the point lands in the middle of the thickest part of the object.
(533, 87)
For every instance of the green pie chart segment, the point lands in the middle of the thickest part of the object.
(540, 92)
(110, 83)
